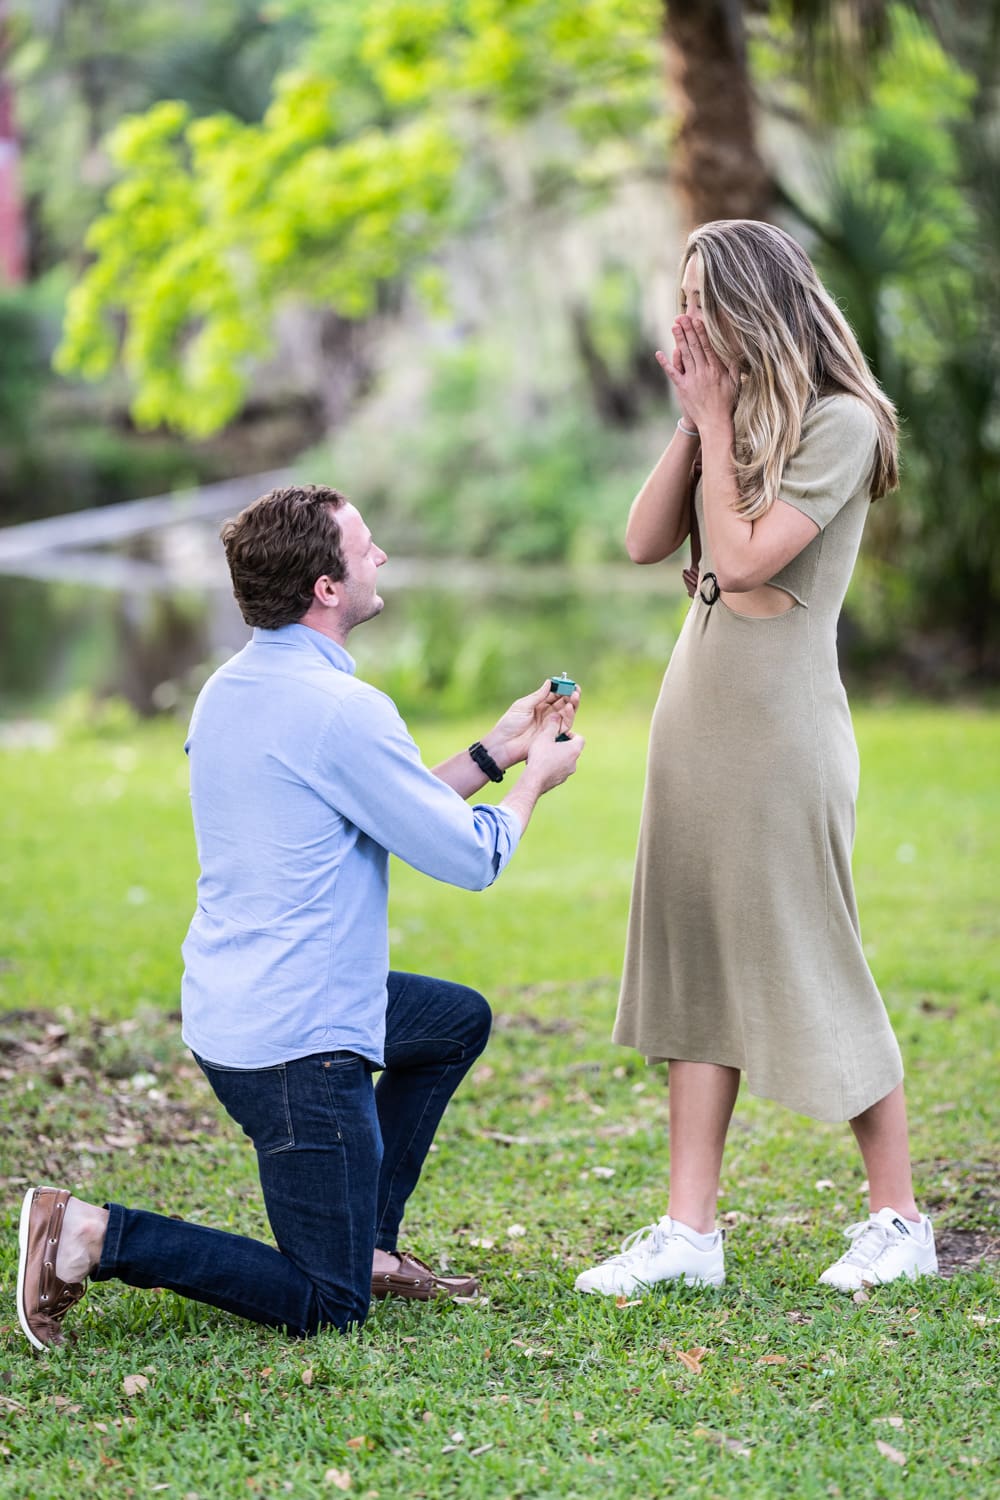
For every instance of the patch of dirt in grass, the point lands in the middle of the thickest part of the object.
(966, 1199)
(965, 1250)
(523, 1021)
(87, 1088)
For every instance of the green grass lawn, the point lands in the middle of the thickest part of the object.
(552, 1151)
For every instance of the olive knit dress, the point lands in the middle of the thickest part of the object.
(743, 942)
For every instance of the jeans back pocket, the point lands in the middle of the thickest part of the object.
(257, 1099)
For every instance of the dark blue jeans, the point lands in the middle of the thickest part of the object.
(338, 1160)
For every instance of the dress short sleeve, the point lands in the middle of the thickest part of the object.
(833, 460)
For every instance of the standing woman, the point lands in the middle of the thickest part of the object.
(744, 954)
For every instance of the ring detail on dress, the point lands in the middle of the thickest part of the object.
(715, 591)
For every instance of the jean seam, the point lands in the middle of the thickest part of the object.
(332, 1102)
(288, 1115)
(401, 1155)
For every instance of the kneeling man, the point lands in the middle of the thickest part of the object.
(303, 781)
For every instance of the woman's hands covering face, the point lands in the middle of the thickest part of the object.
(706, 389)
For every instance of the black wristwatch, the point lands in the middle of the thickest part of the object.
(485, 761)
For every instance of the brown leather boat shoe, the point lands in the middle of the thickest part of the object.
(415, 1280)
(42, 1299)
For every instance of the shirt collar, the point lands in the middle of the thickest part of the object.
(303, 637)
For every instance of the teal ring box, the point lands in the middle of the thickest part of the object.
(564, 686)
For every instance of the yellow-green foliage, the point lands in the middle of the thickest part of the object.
(372, 150)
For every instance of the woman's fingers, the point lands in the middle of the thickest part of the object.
(665, 364)
(688, 343)
(701, 340)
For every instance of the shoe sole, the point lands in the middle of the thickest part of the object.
(867, 1285)
(22, 1264)
(643, 1287)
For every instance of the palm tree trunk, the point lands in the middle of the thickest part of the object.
(716, 167)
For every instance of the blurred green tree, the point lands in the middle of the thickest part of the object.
(399, 124)
(79, 65)
(906, 222)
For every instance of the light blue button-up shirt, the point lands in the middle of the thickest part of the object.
(303, 781)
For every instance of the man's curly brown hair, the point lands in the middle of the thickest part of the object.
(278, 547)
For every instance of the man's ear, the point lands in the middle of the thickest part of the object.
(326, 592)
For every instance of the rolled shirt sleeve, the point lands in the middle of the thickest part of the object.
(368, 767)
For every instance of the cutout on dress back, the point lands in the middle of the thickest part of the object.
(765, 602)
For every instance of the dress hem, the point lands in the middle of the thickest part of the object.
(796, 1105)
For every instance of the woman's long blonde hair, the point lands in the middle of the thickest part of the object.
(768, 316)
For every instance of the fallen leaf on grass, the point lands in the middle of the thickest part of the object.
(367, 1442)
(888, 1451)
(624, 1302)
(306, 1377)
(773, 1359)
(133, 1385)
(888, 1421)
(63, 1403)
(339, 1478)
(483, 1448)
(731, 1445)
(861, 1297)
(8, 1404)
(691, 1359)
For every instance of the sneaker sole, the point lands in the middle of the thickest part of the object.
(643, 1287)
(22, 1266)
(867, 1285)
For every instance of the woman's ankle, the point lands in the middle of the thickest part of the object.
(692, 1216)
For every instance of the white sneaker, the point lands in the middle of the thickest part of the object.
(884, 1247)
(658, 1252)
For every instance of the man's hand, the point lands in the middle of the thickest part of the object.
(550, 763)
(510, 739)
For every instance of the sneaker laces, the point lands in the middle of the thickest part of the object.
(638, 1244)
(868, 1242)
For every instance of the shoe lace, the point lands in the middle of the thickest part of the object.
(637, 1245)
(868, 1241)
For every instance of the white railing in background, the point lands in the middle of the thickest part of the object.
(69, 548)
